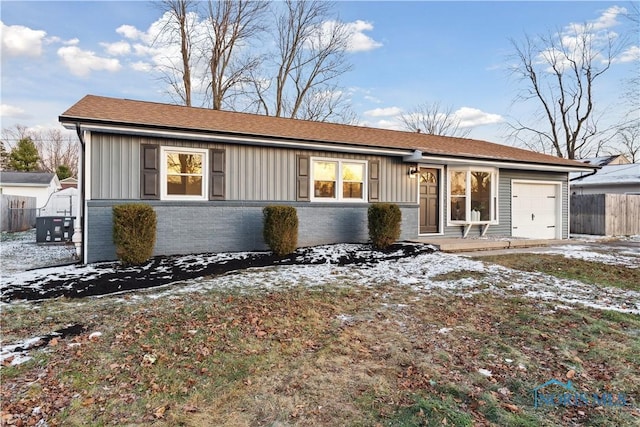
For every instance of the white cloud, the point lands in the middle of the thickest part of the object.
(608, 19)
(472, 117)
(130, 32)
(83, 62)
(630, 55)
(18, 40)
(358, 41)
(7, 110)
(388, 124)
(117, 49)
(373, 99)
(142, 66)
(383, 112)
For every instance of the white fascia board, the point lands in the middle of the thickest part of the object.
(502, 164)
(246, 140)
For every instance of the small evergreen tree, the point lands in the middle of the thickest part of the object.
(63, 172)
(24, 157)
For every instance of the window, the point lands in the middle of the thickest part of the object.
(472, 195)
(338, 180)
(184, 173)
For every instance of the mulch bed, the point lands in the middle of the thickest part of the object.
(109, 278)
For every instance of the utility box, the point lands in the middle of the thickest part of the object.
(54, 229)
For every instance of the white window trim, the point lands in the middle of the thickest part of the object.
(163, 172)
(494, 208)
(339, 198)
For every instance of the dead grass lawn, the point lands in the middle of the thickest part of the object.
(357, 356)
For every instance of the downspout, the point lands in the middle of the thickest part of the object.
(595, 170)
(80, 227)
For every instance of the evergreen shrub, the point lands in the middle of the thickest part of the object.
(384, 224)
(280, 229)
(134, 232)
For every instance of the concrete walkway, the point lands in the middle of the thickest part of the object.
(471, 245)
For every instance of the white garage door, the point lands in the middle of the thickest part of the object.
(535, 212)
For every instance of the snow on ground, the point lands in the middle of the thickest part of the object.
(20, 252)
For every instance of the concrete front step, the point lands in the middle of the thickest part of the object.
(469, 245)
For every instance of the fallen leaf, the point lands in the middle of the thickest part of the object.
(504, 391)
(159, 411)
(571, 374)
(512, 408)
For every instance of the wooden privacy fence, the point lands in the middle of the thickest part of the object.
(605, 214)
(18, 213)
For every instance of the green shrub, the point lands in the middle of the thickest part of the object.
(384, 224)
(280, 229)
(134, 232)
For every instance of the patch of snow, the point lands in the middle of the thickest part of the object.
(485, 372)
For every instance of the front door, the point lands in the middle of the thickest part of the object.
(429, 200)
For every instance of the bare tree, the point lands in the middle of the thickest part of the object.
(232, 26)
(629, 140)
(178, 31)
(434, 119)
(310, 57)
(55, 147)
(560, 71)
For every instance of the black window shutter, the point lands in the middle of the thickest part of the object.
(216, 187)
(149, 172)
(302, 177)
(374, 180)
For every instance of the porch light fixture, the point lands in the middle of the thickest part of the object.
(413, 171)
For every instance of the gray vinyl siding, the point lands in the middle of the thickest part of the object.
(503, 228)
(206, 227)
(253, 173)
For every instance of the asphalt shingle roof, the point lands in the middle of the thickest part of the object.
(26, 178)
(102, 110)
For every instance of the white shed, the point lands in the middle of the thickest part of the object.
(40, 185)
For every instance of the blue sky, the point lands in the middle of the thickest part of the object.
(455, 53)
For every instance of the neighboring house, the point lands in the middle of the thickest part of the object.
(610, 179)
(208, 174)
(70, 182)
(616, 159)
(40, 185)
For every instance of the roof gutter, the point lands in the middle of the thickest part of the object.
(595, 170)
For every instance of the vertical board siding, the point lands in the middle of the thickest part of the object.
(254, 173)
(605, 214)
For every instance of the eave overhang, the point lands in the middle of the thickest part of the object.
(408, 155)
